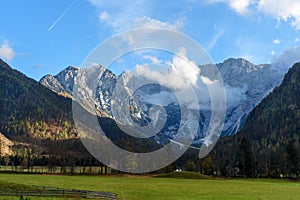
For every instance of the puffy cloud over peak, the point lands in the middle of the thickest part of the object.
(6, 51)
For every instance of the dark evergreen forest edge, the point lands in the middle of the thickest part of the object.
(269, 143)
(39, 124)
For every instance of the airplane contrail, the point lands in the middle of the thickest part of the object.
(62, 14)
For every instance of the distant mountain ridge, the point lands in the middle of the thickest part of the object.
(246, 85)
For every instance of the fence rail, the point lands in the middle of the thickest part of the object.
(58, 192)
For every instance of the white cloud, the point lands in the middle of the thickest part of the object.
(179, 75)
(150, 22)
(169, 78)
(282, 10)
(153, 59)
(287, 10)
(287, 59)
(240, 6)
(234, 95)
(163, 98)
(104, 16)
(276, 41)
(6, 51)
(186, 68)
(143, 22)
(207, 81)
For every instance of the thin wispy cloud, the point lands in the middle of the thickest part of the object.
(153, 59)
(61, 15)
(104, 16)
(150, 22)
(215, 39)
(125, 15)
(38, 66)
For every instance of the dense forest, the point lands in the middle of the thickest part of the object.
(269, 143)
(28, 109)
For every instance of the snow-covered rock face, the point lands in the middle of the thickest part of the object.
(246, 85)
(52, 83)
(66, 78)
(62, 82)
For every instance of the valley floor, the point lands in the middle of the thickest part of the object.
(146, 187)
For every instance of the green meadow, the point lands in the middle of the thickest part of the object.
(163, 187)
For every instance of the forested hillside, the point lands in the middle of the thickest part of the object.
(28, 109)
(38, 124)
(269, 143)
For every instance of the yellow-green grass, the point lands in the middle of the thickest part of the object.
(146, 187)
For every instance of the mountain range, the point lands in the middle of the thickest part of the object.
(246, 85)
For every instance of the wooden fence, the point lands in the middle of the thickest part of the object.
(58, 192)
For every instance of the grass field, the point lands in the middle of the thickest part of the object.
(165, 188)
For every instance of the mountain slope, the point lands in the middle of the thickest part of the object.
(279, 112)
(269, 143)
(246, 85)
(28, 109)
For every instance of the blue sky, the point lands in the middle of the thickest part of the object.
(44, 37)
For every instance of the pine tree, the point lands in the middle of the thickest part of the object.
(246, 158)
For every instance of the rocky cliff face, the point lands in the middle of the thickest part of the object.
(246, 85)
